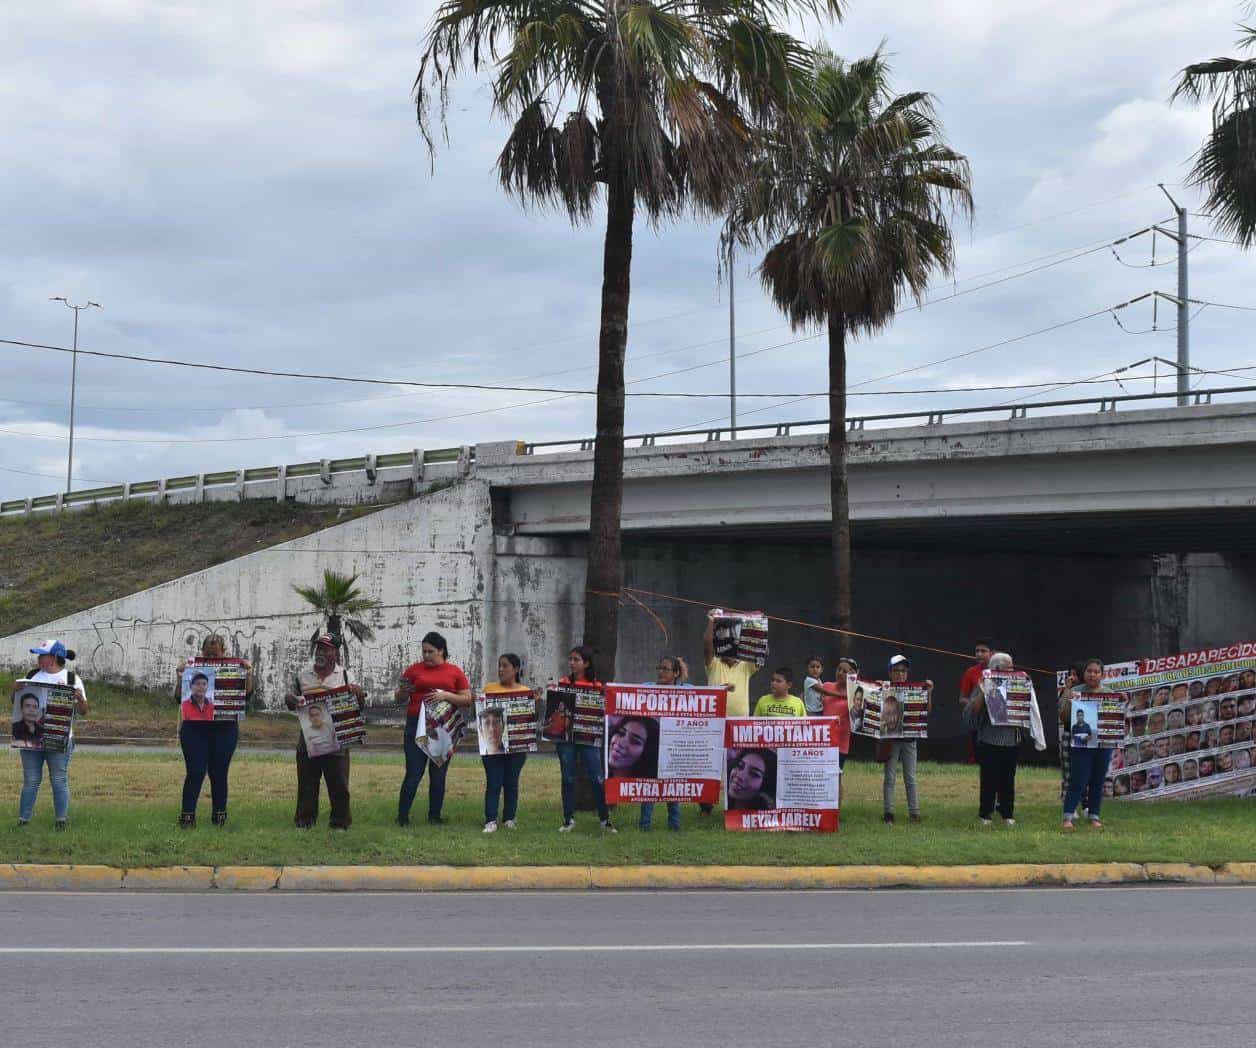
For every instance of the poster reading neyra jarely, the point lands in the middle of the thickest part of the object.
(664, 743)
(781, 773)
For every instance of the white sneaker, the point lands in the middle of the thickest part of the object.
(1009, 822)
(568, 826)
(607, 827)
(987, 822)
(509, 824)
(490, 826)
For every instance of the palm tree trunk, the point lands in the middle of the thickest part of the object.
(839, 491)
(605, 568)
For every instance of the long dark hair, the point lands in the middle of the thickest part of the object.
(436, 641)
(766, 797)
(647, 765)
(586, 653)
(514, 660)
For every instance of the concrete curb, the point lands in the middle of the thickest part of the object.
(44, 877)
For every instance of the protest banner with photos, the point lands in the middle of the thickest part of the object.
(889, 711)
(43, 715)
(441, 727)
(781, 774)
(664, 743)
(331, 720)
(1189, 726)
(1009, 696)
(574, 714)
(230, 683)
(506, 723)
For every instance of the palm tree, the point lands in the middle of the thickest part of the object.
(645, 104)
(1225, 165)
(855, 205)
(339, 598)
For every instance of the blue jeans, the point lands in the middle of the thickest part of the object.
(673, 815)
(1086, 772)
(568, 754)
(416, 764)
(501, 776)
(208, 746)
(33, 774)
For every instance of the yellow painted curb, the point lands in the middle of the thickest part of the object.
(170, 878)
(1101, 872)
(247, 878)
(53, 877)
(1181, 872)
(431, 878)
(1237, 873)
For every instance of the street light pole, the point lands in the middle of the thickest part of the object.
(732, 350)
(69, 464)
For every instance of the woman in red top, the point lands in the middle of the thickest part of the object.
(430, 680)
(581, 674)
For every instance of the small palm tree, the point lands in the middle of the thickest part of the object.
(338, 598)
(644, 104)
(855, 204)
(1225, 166)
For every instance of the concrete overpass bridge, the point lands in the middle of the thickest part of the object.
(1111, 527)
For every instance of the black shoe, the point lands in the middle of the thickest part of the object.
(219, 818)
(303, 825)
(403, 820)
(187, 821)
(889, 817)
(437, 820)
(61, 825)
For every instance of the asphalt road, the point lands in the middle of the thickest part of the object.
(1092, 967)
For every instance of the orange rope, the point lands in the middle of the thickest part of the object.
(631, 590)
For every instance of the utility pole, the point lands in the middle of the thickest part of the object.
(69, 464)
(1183, 303)
(732, 349)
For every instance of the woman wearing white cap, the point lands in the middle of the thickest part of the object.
(53, 656)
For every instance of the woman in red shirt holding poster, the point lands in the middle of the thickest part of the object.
(581, 674)
(432, 678)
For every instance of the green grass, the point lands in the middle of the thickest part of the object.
(53, 564)
(125, 806)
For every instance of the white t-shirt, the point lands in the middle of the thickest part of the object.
(61, 677)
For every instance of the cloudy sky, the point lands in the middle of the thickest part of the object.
(244, 183)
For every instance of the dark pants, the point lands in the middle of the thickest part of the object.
(569, 753)
(208, 747)
(501, 775)
(311, 771)
(998, 779)
(1086, 772)
(416, 764)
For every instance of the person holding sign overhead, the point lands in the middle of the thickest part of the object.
(581, 674)
(433, 678)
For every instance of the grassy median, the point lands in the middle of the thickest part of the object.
(125, 807)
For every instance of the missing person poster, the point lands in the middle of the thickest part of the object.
(196, 692)
(506, 723)
(781, 774)
(888, 711)
(230, 683)
(43, 715)
(1009, 698)
(664, 743)
(331, 720)
(1097, 721)
(441, 727)
(1189, 725)
(574, 714)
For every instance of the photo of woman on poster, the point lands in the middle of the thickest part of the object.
(633, 747)
(559, 713)
(28, 719)
(751, 780)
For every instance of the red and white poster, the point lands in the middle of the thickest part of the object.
(781, 774)
(664, 743)
(230, 679)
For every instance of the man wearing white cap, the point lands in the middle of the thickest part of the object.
(53, 656)
(901, 751)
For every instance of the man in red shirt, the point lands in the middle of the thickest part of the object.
(971, 679)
